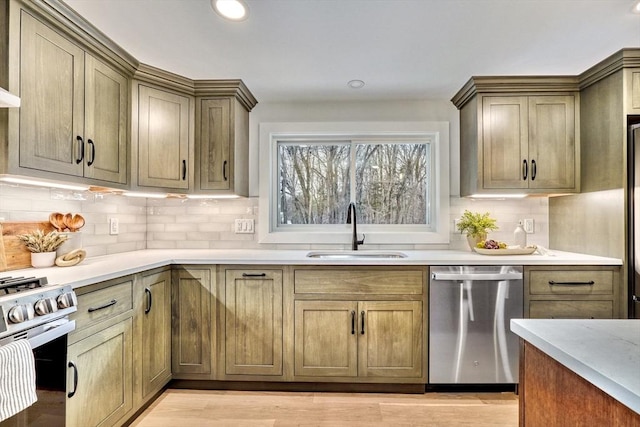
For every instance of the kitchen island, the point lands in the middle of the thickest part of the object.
(579, 372)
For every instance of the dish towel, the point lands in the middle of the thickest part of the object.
(17, 378)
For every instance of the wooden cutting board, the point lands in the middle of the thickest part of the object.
(13, 254)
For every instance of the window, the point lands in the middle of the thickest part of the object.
(396, 173)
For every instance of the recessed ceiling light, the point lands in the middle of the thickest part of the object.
(355, 84)
(636, 7)
(234, 10)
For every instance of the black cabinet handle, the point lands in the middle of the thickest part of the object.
(75, 379)
(184, 170)
(149, 300)
(590, 283)
(102, 307)
(362, 324)
(224, 170)
(533, 170)
(525, 170)
(80, 149)
(254, 274)
(93, 152)
(353, 322)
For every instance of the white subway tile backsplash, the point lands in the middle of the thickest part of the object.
(201, 224)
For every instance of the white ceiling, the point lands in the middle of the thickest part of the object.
(307, 50)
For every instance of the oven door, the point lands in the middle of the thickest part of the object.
(49, 345)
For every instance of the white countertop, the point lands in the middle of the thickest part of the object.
(604, 352)
(97, 269)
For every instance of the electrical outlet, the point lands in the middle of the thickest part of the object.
(528, 225)
(244, 226)
(114, 226)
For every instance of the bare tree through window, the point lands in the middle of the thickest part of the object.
(388, 181)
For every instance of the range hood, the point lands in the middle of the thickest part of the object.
(8, 99)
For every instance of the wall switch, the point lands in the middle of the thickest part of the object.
(114, 226)
(527, 224)
(244, 226)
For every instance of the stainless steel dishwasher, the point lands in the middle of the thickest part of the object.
(469, 312)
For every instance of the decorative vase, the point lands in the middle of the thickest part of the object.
(474, 240)
(43, 259)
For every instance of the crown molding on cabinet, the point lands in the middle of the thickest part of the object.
(624, 58)
(68, 21)
(235, 88)
(510, 84)
(200, 88)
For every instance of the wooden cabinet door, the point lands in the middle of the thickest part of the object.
(191, 333)
(253, 322)
(215, 144)
(102, 364)
(552, 145)
(156, 332)
(106, 122)
(504, 141)
(325, 339)
(163, 139)
(391, 345)
(52, 93)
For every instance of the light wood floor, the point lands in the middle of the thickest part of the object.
(195, 408)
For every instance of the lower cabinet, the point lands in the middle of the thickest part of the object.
(364, 339)
(359, 324)
(100, 374)
(155, 348)
(252, 342)
(99, 377)
(572, 292)
(192, 323)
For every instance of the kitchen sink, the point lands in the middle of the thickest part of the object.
(356, 254)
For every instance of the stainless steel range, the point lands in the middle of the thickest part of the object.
(32, 309)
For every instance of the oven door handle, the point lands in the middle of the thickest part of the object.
(52, 333)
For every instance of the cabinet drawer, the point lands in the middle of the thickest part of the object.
(371, 281)
(571, 282)
(103, 304)
(571, 309)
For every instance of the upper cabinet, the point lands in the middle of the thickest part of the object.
(518, 137)
(92, 114)
(163, 139)
(74, 117)
(190, 136)
(222, 137)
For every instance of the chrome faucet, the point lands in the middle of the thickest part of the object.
(354, 239)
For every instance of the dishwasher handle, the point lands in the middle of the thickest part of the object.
(513, 275)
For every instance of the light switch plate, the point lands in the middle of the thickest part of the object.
(114, 226)
(244, 226)
(528, 226)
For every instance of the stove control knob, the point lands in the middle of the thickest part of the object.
(46, 306)
(20, 313)
(67, 300)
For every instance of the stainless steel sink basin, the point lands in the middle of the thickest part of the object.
(356, 254)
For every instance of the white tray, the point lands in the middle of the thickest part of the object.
(508, 251)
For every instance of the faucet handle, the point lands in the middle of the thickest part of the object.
(361, 242)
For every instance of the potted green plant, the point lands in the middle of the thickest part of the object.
(476, 226)
(43, 246)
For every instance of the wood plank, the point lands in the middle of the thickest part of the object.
(250, 408)
(552, 395)
(16, 255)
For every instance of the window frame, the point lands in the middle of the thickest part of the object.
(340, 234)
